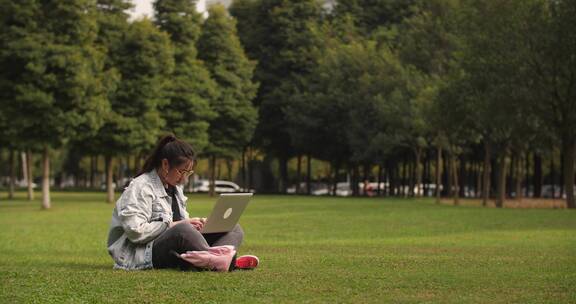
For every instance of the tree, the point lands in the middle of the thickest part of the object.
(279, 35)
(53, 70)
(493, 84)
(145, 61)
(190, 90)
(428, 46)
(371, 15)
(113, 25)
(222, 53)
(549, 39)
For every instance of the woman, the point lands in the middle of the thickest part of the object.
(151, 228)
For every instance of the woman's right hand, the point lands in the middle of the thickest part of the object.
(198, 223)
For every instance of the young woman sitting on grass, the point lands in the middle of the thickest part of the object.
(151, 228)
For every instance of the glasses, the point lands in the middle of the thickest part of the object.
(185, 173)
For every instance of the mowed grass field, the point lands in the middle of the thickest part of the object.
(312, 250)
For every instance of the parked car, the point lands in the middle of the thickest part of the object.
(220, 186)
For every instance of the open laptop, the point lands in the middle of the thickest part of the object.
(226, 212)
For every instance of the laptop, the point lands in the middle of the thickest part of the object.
(226, 212)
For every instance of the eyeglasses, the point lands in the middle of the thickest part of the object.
(185, 173)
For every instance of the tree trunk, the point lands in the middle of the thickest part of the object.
(511, 178)
(335, 178)
(438, 173)
(46, 179)
(391, 178)
(486, 174)
(527, 175)
(405, 177)
(519, 175)
(479, 177)
(501, 186)
(229, 168)
(92, 172)
(552, 176)
(109, 179)
(462, 177)
(426, 175)
(283, 175)
(299, 172)
(396, 180)
(562, 169)
(537, 179)
(411, 178)
(446, 180)
(309, 174)
(243, 169)
(379, 188)
(450, 177)
(456, 188)
(29, 179)
(12, 173)
(212, 170)
(568, 149)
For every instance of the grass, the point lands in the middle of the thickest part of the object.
(312, 249)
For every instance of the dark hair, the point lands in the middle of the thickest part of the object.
(171, 148)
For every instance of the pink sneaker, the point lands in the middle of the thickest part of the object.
(219, 250)
(219, 260)
(247, 262)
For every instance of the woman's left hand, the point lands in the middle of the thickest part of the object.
(197, 222)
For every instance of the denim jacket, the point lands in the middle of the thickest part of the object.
(141, 214)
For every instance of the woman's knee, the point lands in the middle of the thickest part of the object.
(184, 230)
(238, 229)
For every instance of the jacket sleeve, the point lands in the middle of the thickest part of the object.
(135, 212)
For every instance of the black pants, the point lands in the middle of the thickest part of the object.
(184, 237)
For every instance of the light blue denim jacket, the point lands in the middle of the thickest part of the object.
(141, 214)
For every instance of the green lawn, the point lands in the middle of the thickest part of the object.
(312, 250)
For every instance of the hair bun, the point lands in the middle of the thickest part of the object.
(168, 138)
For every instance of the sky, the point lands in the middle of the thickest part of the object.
(142, 8)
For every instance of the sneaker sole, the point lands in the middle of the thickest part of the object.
(247, 262)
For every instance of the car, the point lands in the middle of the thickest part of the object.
(220, 186)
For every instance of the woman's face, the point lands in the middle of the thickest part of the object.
(177, 175)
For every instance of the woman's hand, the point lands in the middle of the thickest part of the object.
(197, 222)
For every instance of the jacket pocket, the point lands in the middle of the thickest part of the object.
(158, 212)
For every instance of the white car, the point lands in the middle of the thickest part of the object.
(220, 186)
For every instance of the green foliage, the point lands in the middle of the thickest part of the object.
(428, 45)
(549, 44)
(190, 89)
(370, 15)
(112, 22)
(50, 72)
(280, 36)
(220, 49)
(144, 61)
(362, 124)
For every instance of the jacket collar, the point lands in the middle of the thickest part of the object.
(159, 189)
(157, 185)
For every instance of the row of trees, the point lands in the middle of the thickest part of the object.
(78, 74)
(364, 84)
(370, 87)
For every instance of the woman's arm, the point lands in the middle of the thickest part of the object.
(135, 212)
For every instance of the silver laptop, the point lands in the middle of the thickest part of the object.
(226, 212)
